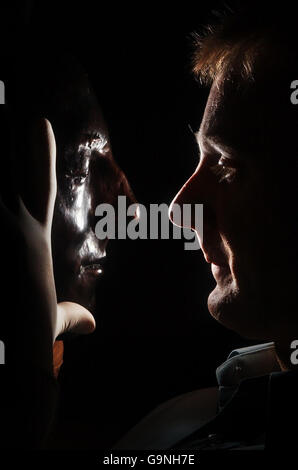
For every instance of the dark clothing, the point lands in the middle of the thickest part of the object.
(253, 409)
(255, 414)
(28, 407)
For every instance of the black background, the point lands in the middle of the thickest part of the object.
(155, 338)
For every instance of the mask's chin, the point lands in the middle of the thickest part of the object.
(81, 290)
(87, 291)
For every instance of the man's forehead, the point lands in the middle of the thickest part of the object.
(233, 118)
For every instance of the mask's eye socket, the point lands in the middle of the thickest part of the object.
(79, 179)
(76, 178)
(77, 168)
(225, 170)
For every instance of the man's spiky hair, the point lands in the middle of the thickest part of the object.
(246, 41)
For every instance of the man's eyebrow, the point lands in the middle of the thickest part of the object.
(215, 141)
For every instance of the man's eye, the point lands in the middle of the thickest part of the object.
(224, 170)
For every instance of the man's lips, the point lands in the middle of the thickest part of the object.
(220, 273)
(216, 260)
(219, 267)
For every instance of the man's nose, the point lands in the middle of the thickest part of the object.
(184, 196)
(196, 191)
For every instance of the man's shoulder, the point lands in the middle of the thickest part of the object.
(244, 363)
(181, 416)
(172, 421)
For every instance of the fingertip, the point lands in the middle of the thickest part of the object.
(47, 130)
(91, 325)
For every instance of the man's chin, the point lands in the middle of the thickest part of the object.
(222, 300)
(234, 312)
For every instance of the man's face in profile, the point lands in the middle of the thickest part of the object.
(244, 182)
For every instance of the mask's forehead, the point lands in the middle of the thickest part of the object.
(77, 117)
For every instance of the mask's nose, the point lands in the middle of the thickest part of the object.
(109, 185)
(126, 190)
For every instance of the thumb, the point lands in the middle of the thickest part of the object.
(73, 318)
